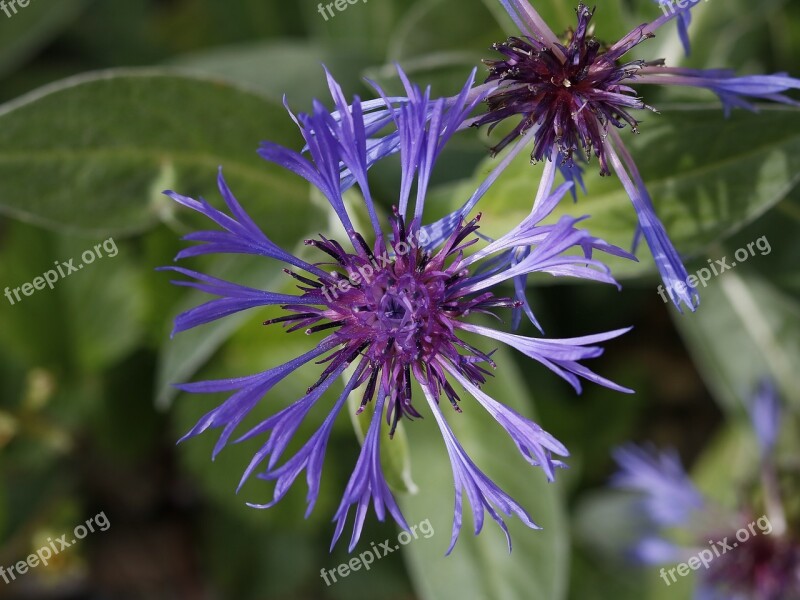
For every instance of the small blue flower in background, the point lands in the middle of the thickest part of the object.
(393, 305)
(747, 553)
(765, 413)
(671, 496)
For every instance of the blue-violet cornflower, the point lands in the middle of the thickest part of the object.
(393, 309)
(572, 96)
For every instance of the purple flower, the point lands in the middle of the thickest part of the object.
(668, 495)
(393, 309)
(571, 97)
(748, 552)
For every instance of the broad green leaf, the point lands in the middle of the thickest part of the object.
(708, 177)
(480, 566)
(24, 30)
(92, 153)
(301, 77)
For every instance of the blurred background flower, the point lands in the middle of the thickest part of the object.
(748, 550)
(106, 104)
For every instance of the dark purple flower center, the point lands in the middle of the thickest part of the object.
(570, 93)
(403, 307)
(396, 308)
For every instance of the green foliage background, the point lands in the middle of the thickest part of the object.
(106, 103)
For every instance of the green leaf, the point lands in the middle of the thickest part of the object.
(708, 177)
(91, 153)
(24, 30)
(480, 566)
(301, 77)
